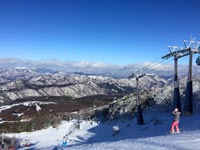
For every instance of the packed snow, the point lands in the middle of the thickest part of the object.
(99, 136)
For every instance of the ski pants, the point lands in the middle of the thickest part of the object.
(175, 125)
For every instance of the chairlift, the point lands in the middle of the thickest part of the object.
(198, 61)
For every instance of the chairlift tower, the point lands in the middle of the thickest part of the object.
(140, 120)
(176, 53)
(193, 47)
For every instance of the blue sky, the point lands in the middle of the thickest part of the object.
(109, 31)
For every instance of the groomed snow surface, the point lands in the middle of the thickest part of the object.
(93, 136)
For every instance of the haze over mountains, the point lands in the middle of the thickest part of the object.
(95, 68)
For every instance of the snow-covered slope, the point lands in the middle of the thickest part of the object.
(152, 135)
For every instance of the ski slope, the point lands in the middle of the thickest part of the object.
(152, 135)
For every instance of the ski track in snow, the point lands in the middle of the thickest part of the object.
(138, 137)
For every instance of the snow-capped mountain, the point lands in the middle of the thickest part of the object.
(21, 83)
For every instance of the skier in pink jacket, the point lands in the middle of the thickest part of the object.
(175, 122)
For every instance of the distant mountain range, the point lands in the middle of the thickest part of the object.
(21, 83)
(89, 68)
(80, 79)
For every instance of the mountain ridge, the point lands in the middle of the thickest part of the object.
(21, 83)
